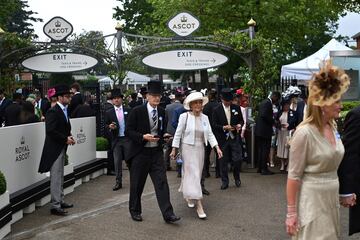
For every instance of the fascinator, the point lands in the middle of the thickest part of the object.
(328, 85)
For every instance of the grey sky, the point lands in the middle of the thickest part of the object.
(97, 15)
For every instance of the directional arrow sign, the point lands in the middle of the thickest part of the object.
(185, 59)
(59, 62)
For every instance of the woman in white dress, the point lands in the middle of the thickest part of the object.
(193, 132)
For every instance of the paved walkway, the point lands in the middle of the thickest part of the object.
(254, 211)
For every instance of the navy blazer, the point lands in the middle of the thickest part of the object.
(137, 125)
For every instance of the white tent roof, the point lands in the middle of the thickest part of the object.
(136, 78)
(303, 69)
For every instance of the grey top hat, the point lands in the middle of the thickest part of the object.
(154, 87)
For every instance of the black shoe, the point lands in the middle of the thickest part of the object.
(217, 175)
(179, 175)
(58, 211)
(136, 217)
(111, 173)
(266, 172)
(237, 183)
(205, 192)
(67, 205)
(168, 168)
(207, 175)
(224, 186)
(172, 219)
(117, 186)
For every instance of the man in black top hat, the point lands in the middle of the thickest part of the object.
(115, 124)
(227, 122)
(146, 127)
(142, 100)
(58, 137)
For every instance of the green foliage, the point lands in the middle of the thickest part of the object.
(2, 183)
(61, 78)
(102, 144)
(347, 106)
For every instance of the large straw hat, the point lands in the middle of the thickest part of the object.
(193, 97)
(328, 85)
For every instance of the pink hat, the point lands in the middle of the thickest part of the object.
(51, 92)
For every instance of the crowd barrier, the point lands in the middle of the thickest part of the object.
(20, 151)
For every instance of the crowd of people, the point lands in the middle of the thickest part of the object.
(148, 130)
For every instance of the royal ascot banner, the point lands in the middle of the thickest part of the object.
(84, 133)
(21, 147)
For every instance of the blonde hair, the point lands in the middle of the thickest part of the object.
(314, 116)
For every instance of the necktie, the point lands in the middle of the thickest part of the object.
(154, 116)
(66, 114)
(119, 114)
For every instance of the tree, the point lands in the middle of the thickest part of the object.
(15, 18)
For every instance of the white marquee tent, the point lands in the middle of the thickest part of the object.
(303, 69)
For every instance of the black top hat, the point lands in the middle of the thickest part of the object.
(116, 93)
(143, 90)
(61, 90)
(154, 87)
(227, 94)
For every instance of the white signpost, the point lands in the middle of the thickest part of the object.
(58, 29)
(59, 62)
(185, 59)
(183, 24)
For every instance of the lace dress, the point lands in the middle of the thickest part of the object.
(314, 161)
(193, 157)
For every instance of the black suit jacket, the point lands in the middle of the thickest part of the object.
(110, 116)
(265, 120)
(76, 100)
(138, 124)
(219, 121)
(44, 106)
(209, 109)
(349, 169)
(12, 114)
(5, 103)
(57, 131)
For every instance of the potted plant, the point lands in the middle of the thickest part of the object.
(5, 210)
(102, 146)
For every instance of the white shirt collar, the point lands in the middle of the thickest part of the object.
(150, 108)
(116, 108)
(225, 106)
(61, 106)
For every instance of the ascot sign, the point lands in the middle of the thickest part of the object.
(183, 24)
(58, 29)
(185, 59)
(59, 62)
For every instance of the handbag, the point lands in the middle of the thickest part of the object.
(178, 157)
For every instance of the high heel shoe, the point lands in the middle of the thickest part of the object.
(200, 213)
(190, 203)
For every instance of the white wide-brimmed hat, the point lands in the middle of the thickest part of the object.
(193, 97)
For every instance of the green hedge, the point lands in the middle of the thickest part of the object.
(2, 183)
(347, 106)
(102, 144)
